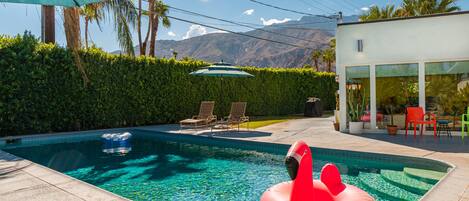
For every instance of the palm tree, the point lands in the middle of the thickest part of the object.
(92, 12)
(328, 56)
(316, 55)
(157, 12)
(411, 8)
(426, 7)
(72, 35)
(160, 14)
(124, 14)
(376, 13)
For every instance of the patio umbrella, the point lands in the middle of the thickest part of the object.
(65, 3)
(221, 70)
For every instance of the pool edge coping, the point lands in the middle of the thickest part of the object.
(35, 174)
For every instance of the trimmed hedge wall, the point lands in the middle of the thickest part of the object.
(42, 91)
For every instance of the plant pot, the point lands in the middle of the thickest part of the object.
(336, 126)
(355, 127)
(392, 129)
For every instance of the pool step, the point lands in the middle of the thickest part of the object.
(401, 180)
(428, 176)
(376, 183)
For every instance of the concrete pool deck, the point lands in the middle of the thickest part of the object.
(23, 180)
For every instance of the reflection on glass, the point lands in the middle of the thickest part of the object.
(396, 89)
(447, 90)
(358, 85)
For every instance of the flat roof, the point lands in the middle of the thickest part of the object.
(405, 18)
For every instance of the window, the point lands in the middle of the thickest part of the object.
(396, 89)
(447, 90)
(358, 90)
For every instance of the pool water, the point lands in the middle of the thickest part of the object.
(157, 169)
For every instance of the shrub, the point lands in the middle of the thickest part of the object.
(42, 91)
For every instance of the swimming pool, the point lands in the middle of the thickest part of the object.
(181, 167)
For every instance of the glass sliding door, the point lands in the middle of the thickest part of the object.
(396, 89)
(447, 90)
(358, 92)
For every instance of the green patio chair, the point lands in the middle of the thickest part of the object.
(464, 122)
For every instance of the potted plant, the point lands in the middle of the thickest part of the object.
(356, 107)
(392, 129)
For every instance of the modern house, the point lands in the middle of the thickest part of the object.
(395, 63)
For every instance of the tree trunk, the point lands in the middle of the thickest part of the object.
(87, 21)
(316, 64)
(72, 27)
(72, 35)
(139, 27)
(48, 24)
(329, 66)
(151, 8)
(154, 32)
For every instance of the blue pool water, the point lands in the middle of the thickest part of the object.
(161, 169)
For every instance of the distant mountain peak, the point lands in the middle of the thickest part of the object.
(245, 51)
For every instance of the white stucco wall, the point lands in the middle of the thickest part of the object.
(430, 38)
(419, 40)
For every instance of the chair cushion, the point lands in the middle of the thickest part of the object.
(192, 121)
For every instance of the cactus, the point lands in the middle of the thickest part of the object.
(356, 103)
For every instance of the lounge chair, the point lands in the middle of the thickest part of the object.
(237, 114)
(204, 119)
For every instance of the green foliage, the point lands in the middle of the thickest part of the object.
(410, 8)
(42, 91)
(356, 101)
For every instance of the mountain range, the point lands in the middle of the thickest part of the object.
(312, 32)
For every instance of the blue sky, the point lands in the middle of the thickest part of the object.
(16, 18)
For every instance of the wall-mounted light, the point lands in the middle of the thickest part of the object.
(360, 45)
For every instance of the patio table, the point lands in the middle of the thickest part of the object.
(443, 126)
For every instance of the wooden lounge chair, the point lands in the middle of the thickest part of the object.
(203, 119)
(237, 114)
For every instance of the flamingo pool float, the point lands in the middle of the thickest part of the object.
(299, 164)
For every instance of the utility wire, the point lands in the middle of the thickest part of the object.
(349, 6)
(312, 5)
(238, 33)
(288, 10)
(324, 5)
(355, 6)
(240, 24)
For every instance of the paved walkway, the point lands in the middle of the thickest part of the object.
(23, 180)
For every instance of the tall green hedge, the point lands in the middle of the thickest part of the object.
(42, 91)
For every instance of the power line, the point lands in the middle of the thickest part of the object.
(237, 33)
(288, 10)
(345, 6)
(355, 6)
(312, 5)
(324, 5)
(240, 24)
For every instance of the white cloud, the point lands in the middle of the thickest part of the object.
(367, 8)
(218, 31)
(273, 21)
(195, 30)
(248, 12)
(172, 34)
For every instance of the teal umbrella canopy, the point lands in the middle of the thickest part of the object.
(65, 3)
(221, 70)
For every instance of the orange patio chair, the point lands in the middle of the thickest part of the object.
(416, 117)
